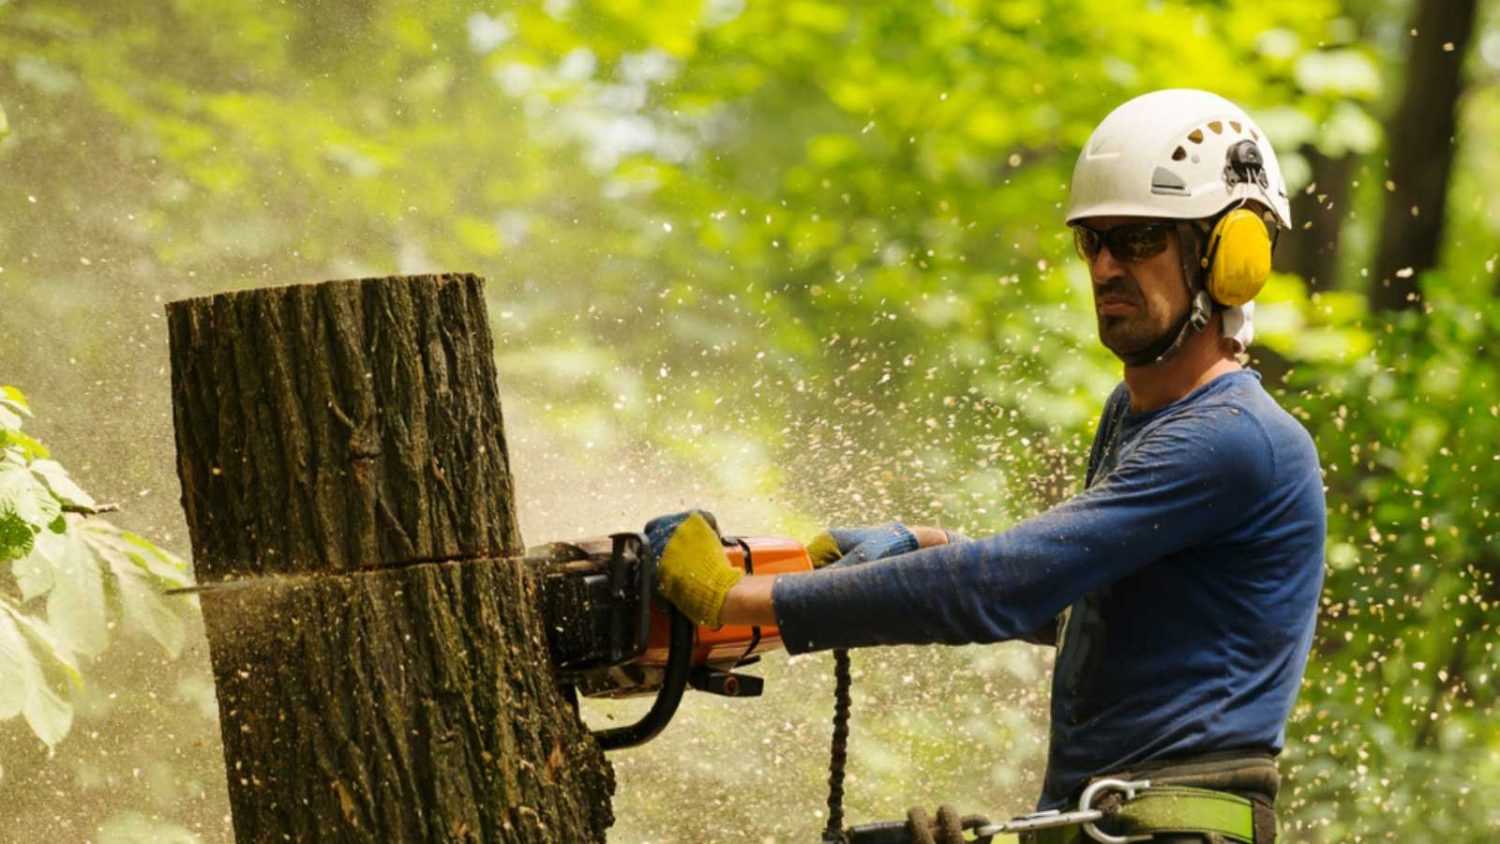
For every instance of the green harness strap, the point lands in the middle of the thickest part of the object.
(1165, 809)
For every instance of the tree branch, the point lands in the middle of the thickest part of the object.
(90, 511)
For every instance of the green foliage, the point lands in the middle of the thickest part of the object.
(813, 248)
(71, 576)
(1402, 678)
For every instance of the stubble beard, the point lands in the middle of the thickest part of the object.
(1130, 333)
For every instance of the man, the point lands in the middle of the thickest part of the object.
(1182, 584)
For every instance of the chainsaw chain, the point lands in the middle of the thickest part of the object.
(839, 755)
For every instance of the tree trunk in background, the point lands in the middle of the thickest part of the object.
(383, 675)
(1421, 147)
(1312, 247)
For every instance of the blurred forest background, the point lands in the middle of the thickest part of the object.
(797, 262)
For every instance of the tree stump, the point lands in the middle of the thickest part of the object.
(380, 663)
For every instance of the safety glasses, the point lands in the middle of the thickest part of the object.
(1127, 242)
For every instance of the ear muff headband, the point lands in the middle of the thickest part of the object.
(1238, 259)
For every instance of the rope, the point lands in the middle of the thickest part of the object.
(839, 755)
(949, 825)
(948, 828)
(919, 826)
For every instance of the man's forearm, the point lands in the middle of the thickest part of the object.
(749, 602)
(928, 536)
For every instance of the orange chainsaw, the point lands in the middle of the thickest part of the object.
(610, 636)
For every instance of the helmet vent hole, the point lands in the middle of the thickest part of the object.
(1196, 136)
(1179, 154)
(1217, 127)
(1237, 127)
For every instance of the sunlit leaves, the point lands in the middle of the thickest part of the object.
(1349, 73)
(1408, 646)
(42, 664)
(1349, 128)
(812, 244)
(141, 571)
(1328, 327)
(61, 486)
(13, 405)
(72, 574)
(75, 604)
(16, 663)
(26, 506)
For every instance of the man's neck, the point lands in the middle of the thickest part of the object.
(1200, 360)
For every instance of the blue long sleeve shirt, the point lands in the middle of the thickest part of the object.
(1189, 569)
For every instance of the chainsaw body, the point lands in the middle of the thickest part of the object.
(610, 636)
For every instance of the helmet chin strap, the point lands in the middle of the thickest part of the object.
(1194, 319)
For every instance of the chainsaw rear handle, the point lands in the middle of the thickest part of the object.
(674, 683)
(880, 832)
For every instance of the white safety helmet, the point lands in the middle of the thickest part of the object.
(1180, 154)
(1168, 154)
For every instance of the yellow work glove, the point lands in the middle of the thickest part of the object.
(692, 570)
(823, 549)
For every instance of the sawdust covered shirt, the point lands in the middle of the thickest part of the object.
(1189, 569)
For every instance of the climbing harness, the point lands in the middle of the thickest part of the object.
(1133, 809)
(1138, 811)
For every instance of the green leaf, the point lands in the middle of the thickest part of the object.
(16, 536)
(28, 498)
(62, 486)
(29, 448)
(48, 644)
(141, 571)
(17, 666)
(144, 604)
(13, 406)
(33, 572)
(9, 395)
(169, 569)
(75, 606)
(48, 715)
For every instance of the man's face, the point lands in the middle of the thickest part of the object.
(1135, 301)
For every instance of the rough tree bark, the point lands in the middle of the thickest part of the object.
(1312, 247)
(1421, 138)
(380, 665)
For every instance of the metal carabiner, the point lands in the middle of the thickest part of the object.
(1086, 804)
(1085, 815)
(1049, 819)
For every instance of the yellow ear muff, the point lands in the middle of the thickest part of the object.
(1240, 253)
